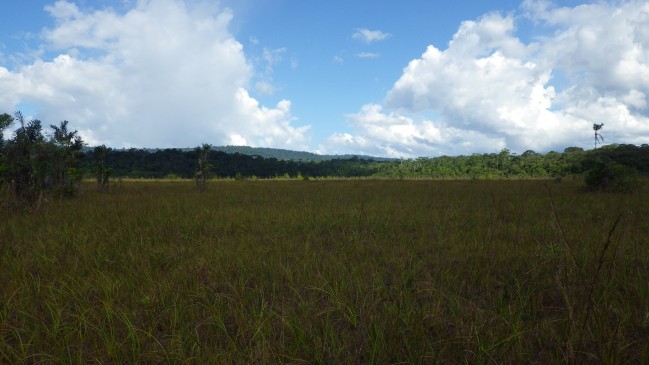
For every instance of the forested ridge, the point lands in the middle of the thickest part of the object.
(267, 152)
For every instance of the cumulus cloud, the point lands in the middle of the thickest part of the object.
(164, 73)
(369, 36)
(392, 134)
(488, 89)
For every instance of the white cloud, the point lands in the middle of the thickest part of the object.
(165, 73)
(273, 57)
(490, 90)
(265, 88)
(395, 135)
(368, 55)
(63, 10)
(369, 36)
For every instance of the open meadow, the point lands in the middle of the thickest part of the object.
(328, 272)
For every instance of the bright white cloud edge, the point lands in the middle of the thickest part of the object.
(489, 90)
(165, 74)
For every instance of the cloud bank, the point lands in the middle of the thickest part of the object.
(167, 73)
(490, 90)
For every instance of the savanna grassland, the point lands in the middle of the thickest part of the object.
(328, 272)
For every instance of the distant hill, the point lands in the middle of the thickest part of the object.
(282, 154)
(276, 153)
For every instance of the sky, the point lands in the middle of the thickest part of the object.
(407, 78)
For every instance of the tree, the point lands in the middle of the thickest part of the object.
(5, 122)
(203, 166)
(32, 164)
(26, 158)
(611, 176)
(67, 150)
(103, 173)
(598, 136)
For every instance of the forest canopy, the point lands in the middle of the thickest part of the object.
(139, 163)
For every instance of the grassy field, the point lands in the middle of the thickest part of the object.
(328, 272)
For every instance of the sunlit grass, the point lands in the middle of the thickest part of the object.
(328, 272)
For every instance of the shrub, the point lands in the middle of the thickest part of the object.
(612, 177)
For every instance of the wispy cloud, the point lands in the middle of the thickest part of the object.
(273, 57)
(266, 88)
(369, 36)
(368, 55)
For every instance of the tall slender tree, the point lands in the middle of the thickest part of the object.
(66, 151)
(5, 122)
(598, 136)
(103, 173)
(202, 174)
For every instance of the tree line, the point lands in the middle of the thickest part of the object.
(139, 163)
(34, 161)
(505, 164)
(173, 162)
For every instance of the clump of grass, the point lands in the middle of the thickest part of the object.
(328, 272)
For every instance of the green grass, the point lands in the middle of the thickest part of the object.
(328, 272)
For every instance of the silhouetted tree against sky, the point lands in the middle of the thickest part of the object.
(598, 136)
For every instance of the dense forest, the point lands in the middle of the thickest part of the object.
(137, 163)
(33, 161)
(267, 152)
(176, 163)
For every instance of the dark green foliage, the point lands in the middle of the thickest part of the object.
(66, 150)
(574, 161)
(31, 164)
(204, 168)
(615, 168)
(5, 122)
(611, 176)
(103, 172)
(288, 155)
(137, 163)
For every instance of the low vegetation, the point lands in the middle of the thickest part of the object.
(329, 272)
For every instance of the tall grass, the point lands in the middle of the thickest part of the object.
(328, 272)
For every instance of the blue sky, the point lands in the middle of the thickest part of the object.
(388, 78)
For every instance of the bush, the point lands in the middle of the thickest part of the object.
(612, 177)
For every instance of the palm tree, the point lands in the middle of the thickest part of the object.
(203, 166)
(68, 146)
(598, 137)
